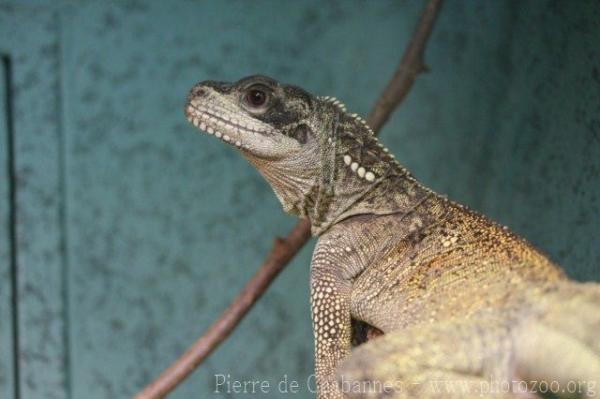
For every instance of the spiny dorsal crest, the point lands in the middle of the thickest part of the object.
(362, 153)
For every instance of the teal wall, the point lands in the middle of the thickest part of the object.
(131, 231)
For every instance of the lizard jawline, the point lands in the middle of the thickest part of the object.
(227, 131)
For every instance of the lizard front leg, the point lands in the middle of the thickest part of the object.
(330, 305)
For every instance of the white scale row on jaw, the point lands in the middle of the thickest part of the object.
(201, 125)
(207, 112)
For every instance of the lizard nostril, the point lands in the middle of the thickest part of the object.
(200, 91)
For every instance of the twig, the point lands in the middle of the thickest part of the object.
(410, 66)
(284, 249)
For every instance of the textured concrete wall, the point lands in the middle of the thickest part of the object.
(136, 231)
(32, 268)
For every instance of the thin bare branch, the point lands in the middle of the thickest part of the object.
(284, 249)
(411, 64)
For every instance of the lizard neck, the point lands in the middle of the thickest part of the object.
(344, 171)
(365, 182)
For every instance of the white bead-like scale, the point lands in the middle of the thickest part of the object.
(354, 166)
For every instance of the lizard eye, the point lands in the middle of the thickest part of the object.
(256, 98)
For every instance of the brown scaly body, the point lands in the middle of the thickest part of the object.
(462, 301)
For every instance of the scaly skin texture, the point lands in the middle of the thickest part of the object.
(464, 304)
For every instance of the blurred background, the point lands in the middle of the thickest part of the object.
(125, 232)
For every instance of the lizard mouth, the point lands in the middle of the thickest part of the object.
(215, 121)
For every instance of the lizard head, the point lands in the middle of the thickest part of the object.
(262, 118)
(271, 124)
(319, 160)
